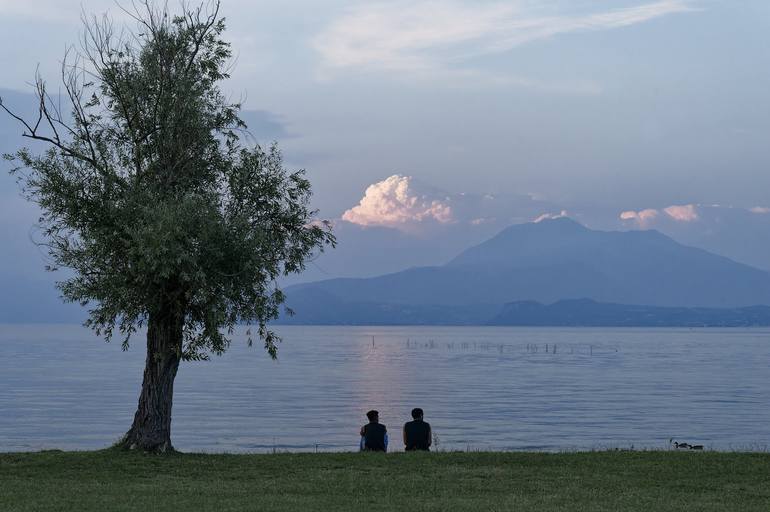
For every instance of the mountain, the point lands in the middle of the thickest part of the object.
(548, 261)
(589, 313)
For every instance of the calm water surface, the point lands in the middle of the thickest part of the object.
(482, 388)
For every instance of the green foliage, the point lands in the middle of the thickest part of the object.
(150, 193)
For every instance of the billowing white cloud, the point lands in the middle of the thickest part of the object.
(404, 203)
(429, 35)
(397, 202)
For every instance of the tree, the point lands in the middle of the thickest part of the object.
(150, 193)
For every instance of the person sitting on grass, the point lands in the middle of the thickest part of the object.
(417, 433)
(374, 436)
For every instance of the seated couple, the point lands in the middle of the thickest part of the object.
(417, 433)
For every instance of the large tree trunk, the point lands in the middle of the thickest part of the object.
(151, 430)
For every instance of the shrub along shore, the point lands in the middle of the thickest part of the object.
(613, 481)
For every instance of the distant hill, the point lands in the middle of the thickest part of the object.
(545, 262)
(589, 313)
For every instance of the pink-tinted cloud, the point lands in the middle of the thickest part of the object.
(397, 202)
(738, 232)
(643, 217)
(547, 216)
(650, 216)
(404, 203)
(682, 213)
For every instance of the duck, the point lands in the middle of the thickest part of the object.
(685, 446)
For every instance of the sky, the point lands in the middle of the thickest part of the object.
(437, 122)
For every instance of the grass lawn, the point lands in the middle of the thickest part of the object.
(612, 481)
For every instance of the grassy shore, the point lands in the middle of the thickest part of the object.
(612, 481)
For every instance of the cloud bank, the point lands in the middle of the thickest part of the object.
(404, 203)
(648, 217)
(742, 234)
(550, 216)
(643, 217)
(682, 213)
(427, 35)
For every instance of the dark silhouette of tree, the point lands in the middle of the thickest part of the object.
(151, 195)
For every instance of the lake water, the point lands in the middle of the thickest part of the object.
(482, 388)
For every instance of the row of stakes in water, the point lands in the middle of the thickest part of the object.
(530, 348)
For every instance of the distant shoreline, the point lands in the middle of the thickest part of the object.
(403, 325)
(562, 313)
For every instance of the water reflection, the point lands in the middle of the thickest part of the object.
(481, 388)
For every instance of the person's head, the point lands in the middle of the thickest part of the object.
(374, 416)
(417, 413)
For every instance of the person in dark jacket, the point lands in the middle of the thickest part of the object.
(374, 436)
(417, 433)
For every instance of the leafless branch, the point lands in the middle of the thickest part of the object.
(32, 132)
